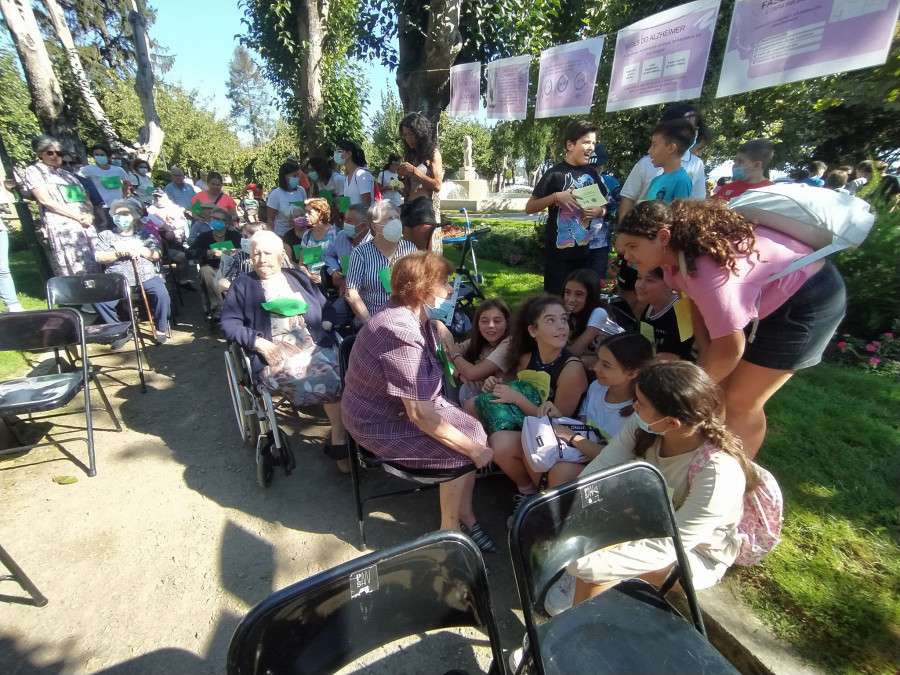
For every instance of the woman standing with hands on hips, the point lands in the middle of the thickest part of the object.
(753, 332)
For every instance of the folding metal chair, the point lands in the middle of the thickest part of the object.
(16, 574)
(91, 289)
(360, 458)
(45, 329)
(630, 628)
(327, 621)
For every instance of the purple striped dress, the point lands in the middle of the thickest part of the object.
(394, 357)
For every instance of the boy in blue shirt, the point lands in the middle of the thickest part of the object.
(670, 141)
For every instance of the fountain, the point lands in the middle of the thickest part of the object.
(471, 192)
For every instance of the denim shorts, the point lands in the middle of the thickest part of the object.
(795, 335)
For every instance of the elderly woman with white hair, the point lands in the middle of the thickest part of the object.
(65, 209)
(369, 273)
(281, 318)
(116, 249)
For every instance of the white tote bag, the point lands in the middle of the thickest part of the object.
(543, 448)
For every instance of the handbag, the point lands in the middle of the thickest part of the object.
(504, 416)
(543, 448)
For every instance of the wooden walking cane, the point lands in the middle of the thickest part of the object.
(137, 276)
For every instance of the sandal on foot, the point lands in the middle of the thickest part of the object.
(479, 536)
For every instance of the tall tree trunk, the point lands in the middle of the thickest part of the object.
(426, 54)
(150, 136)
(58, 19)
(47, 100)
(312, 17)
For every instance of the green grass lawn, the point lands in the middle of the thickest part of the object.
(831, 587)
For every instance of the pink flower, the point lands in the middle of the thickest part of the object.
(842, 345)
(870, 348)
(602, 283)
(889, 336)
(874, 361)
(876, 343)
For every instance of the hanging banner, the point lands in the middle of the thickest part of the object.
(465, 89)
(507, 88)
(567, 78)
(776, 42)
(662, 58)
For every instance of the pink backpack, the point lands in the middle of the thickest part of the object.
(759, 529)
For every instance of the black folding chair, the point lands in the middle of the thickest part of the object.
(327, 621)
(45, 329)
(91, 289)
(360, 458)
(16, 574)
(630, 628)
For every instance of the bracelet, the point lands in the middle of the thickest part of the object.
(454, 357)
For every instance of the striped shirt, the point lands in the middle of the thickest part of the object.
(366, 262)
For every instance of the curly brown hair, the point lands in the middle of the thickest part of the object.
(321, 207)
(698, 228)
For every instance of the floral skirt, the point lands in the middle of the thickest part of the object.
(308, 375)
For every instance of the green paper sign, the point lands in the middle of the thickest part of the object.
(286, 306)
(385, 276)
(312, 255)
(327, 196)
(343, 204)
(111, 182)
(449, 368)
(298, 252)
(197, 207)
(299, 204)
(345, 263)
(150, 189)
(72, 193)
(221, 246)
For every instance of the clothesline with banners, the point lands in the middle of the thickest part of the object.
(665, 57)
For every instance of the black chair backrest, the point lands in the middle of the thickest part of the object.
(86, 289)
(327, 621)
(344, 355)
(40, 329)
(551, 530)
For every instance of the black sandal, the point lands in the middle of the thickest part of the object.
(479, 536)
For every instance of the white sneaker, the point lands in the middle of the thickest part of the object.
(561, 595)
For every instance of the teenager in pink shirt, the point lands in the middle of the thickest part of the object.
(753, 333)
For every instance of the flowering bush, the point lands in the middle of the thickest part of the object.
(515, 259)
(880, 356)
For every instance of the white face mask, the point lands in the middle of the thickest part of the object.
(339, 158)
(393, 231)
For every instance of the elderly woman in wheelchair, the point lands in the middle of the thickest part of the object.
(281, 319)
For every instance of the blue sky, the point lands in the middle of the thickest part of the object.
(200, 35)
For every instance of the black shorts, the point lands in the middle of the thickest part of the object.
(795, 335)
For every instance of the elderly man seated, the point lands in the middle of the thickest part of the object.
(118, 249)
(337, 256)
(281, 318)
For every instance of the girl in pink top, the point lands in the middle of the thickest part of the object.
(753, 333)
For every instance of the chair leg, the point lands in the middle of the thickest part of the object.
(89, 422)
(106, 403)
(18, 575)
(137, 354)
(354, 479)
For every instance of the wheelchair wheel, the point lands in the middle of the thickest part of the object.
(237, 396)
(269, 455)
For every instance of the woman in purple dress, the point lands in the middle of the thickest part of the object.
(393, 403)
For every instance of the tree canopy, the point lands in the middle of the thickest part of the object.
(251, 107)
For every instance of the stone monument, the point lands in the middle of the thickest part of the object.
(470, 182)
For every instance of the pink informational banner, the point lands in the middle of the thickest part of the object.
(465, 89)
(662, 58)
(567, 78)
(776, 42)
(507, 88)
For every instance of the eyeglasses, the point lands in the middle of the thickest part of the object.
(57, 153)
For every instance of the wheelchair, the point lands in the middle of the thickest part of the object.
(256, 415)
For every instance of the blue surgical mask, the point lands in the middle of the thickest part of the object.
(143, 171)
(117, 162)
(313, 175)
(349, 230)
(245, 246)
(100, 160)
(217, 224)
(123, 222)
(738, 173)
(643, 426)
(339, 158)
(440, 310)
(293, 182)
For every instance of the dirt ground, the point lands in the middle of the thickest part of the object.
(150, 565)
